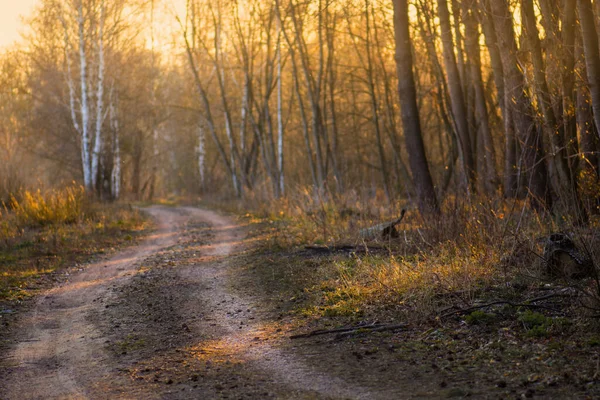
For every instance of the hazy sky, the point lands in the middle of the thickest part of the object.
(10, 19)
(11, 12)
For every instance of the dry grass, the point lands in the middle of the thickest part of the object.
(57, 206)
(475, 246)
(47, 231)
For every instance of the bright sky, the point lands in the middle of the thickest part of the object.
(10, 19)
(12, 11)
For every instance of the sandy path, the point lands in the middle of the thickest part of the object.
(243, 332)
(62, 352)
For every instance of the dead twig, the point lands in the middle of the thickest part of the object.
(343, 249)
(379, 329)
(350, 330)
(527, 303)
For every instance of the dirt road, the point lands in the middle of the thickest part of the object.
(160, 320)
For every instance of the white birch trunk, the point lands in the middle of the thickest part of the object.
(280, 120)
(201, 154)
(98, 140)
(85, 112)
(115, 179)
(228, 128)
(234, 176)
(69, 77)
(244, 115)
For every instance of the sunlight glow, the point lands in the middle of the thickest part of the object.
(11, 23)
(13, 12)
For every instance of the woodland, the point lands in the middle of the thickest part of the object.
(416, 101)
(415, 176)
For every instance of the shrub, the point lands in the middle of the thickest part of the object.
(50, 207)
(536, 324)
(480, 317)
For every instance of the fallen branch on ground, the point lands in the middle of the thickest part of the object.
(343, 249)
(351, 330)
(526, 303)
(382, 231)
(378, 329)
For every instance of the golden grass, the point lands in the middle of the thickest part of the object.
(46, 231)
(57, 206)
(474, 245)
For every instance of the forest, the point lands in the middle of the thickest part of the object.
(352, 191)
(389, 100)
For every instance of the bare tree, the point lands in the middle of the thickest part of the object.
(519, 105)
(457, 99)
(410, 113)
(474, 62)
(592, 52)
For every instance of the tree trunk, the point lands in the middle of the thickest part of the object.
(201, 155)
(313, 89)
(510, 143)
(115, 178)
(520, 105)
(333, 149)
(85, 110)
(410, 113)
(460, 53)
(592, 53)
(280, 155)
(98, 139)
(569, 23)
(457, 99)
(373, 102)
(136, 160)
(562, 182)
(207, 114)
(590, 144)
(301, 107)
(402, 174)
(588, 134)
(472, 47)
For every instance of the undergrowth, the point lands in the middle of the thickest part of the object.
(43, 231)
(57, 206)
(475, 247)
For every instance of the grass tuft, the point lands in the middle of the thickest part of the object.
(58, 206)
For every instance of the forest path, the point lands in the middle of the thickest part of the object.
(160, 320)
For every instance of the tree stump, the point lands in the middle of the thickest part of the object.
(384, 231)
(565, 260)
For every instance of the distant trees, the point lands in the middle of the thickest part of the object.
(81, 53)
(14, 124)
(260, 98)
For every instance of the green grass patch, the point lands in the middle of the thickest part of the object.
(536, 325)
(480, 318)
(130, 343)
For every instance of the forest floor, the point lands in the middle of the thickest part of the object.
(202, 309)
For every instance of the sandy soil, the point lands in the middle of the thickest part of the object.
(162, 320)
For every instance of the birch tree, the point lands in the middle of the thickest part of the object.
(207, 114)
(98, 135)
(115, 178)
